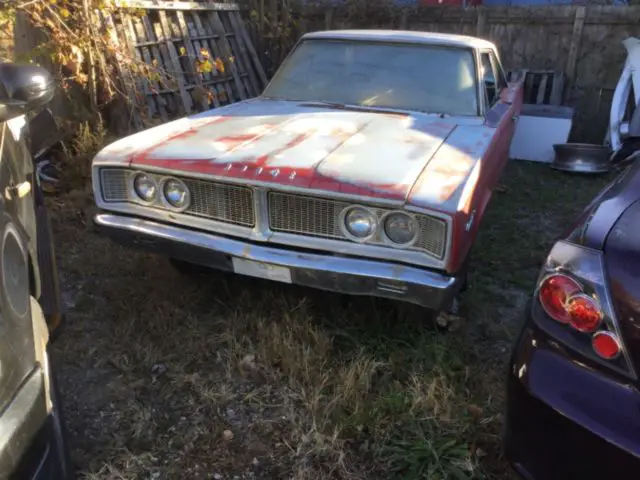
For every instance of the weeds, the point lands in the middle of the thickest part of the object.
(166, 376)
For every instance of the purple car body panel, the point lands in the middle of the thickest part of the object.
(622, 260)
(567, 416)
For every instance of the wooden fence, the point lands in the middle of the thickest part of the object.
(200, 54)
(582, 42)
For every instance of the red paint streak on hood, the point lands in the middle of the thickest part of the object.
(284, 143)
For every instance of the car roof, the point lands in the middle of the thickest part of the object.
(404, 36)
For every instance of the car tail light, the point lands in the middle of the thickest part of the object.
(606, 345)
(564, 300)
(584, 312)
(576, 306)
(555, 292)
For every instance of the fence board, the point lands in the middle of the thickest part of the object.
(225, 53)
(242, 58)
(182, 6)
(249, 45)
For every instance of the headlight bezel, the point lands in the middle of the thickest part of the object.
(343, 223)
(159, 200)
(133, 191)
(165, 200)
(388, 240)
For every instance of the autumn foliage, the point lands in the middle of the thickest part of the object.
(80, 44)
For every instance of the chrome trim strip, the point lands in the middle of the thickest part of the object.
(430, 288)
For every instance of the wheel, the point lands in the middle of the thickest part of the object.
(451, 319)
(188, 268)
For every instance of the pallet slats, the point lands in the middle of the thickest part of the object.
(247, 42)
(167, 5)
(217, 26)
(544, 87)
(242, 56)
(176, 40)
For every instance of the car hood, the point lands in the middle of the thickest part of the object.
(308, 146)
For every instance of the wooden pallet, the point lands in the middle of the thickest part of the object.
(174, 40)
(541, 87)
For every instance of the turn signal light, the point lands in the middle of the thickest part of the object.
(606, 345)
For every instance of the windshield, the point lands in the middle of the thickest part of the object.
(425, 78)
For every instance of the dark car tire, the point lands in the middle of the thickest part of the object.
(60, 433)
(187, 268)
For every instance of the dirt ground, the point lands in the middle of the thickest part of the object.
(225, 377)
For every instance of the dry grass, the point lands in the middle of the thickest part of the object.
(220, 376)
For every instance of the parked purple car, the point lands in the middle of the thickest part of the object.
(573, 402)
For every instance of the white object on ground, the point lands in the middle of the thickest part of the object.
(538, 129)
(630, 76)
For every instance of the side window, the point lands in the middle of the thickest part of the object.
(489, 78)
(500, 76)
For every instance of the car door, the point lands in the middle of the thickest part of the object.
(17, 352)
(500, 112)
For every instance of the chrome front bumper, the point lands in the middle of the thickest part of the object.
(354, 276)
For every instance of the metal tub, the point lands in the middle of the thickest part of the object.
(581, 158)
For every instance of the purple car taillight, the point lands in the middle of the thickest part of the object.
(577, 309)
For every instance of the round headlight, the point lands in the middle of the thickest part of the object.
(176, 193)
(145, 187)
(400, 228)
(360, 223)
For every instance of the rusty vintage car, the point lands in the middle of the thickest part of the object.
(365, 167)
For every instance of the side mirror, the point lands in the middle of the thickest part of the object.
(23, 88)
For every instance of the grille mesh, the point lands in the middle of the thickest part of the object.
(226, 203)
(320, 217)
(114, 184)
(305, 215)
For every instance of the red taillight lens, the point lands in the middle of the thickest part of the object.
(555, 292)
(574, 305)
(606, 345)
(584, 313)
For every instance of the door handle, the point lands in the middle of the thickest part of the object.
(18, 191)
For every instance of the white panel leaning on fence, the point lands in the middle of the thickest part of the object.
(542, 113)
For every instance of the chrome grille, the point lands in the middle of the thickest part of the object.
(226, 203)
(305, 215)
(114, 184)
(433, 235)
(319, 217)
(218, 201)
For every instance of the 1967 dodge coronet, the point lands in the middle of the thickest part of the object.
(364, 167)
